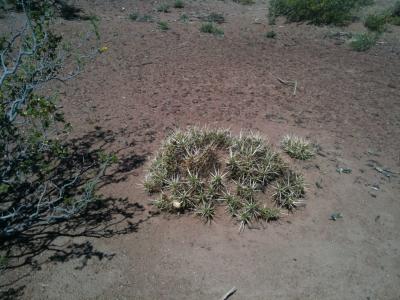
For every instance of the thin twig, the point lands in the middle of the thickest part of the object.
(291, 83)
(144, 64)
(229, 293)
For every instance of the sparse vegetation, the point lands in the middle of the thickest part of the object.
(163, 7)
(135, 16)
(163, 25)
(184, 18)
(198, 169)
(245, 2)
(145, 18)
(336, 12)
(215, 18)
(211, 28)
(179, 4)
(395, 20)
(363, 41)
(395, 14)
(339, 35)
(270, 213)
(3, 262)
(396, 9)
(297, 147)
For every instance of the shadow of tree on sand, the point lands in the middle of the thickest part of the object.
(72, 239)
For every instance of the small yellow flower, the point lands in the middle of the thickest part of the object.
(103, 49)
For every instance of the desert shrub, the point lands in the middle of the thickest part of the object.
(145, 18)
(245, 2)
(184, 18)
(376, 22)
(198, 169)
(395, 14)
(270, 34)
(179, 4)
(40, 184)
(215, 18)
(135, 16)
(59, 7)
(3, 262)
(163, 7)
(335, 12)
(297, 147)
(211, 28)
(395, 21)
(363, 41)
(163, 25)
(396, 9)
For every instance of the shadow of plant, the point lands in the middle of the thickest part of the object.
(103, 218)
(12, 293)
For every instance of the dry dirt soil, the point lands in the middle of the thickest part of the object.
(150, 82)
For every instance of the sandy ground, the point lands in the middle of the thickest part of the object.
(150, 82)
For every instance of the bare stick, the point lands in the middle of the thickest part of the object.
(230, 293)
(283, 81)
(291, 83)
(144, 64)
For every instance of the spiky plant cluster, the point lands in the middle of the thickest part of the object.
(198, 169)
(206, 211)
(297, 147)
(253, 162)
(289, 191)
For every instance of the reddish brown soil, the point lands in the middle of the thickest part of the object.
(150, 82)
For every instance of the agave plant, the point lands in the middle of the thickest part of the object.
(206, 211)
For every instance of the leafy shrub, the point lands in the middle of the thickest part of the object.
(363, 41)
(199, 169)
(335, 12)
(376, 22)
(59, 7)
(211, 28)
(40, 182)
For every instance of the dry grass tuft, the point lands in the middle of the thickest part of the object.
(297, 147)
